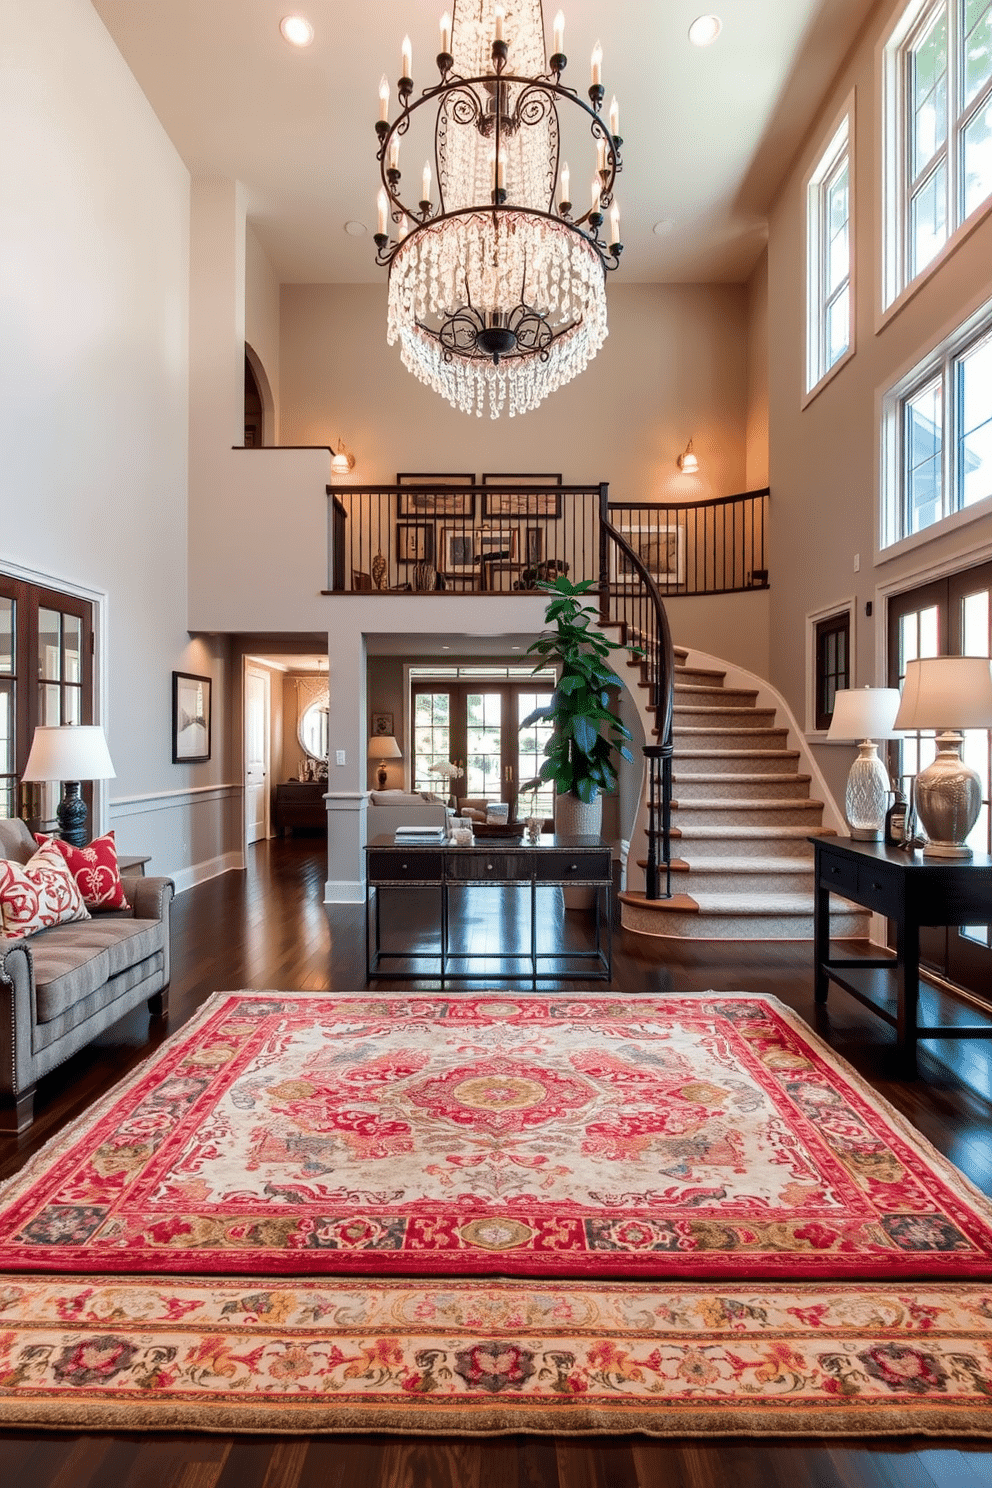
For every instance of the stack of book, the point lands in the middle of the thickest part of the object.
(406, 836)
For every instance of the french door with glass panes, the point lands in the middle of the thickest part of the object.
(46, 677)
(949, 617)
(477, 727)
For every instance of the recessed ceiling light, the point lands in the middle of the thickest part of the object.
(297, 30)
(355, 229)
(704, 30)
(663, 228)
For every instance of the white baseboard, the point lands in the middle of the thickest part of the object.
(188, 878)
(343, 892)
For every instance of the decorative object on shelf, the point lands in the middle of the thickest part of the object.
(342, 461)
(381, 748)
(947, 693)
(865, 714)
(380, 569)
(191, 718)
(534, 825)
(688, 461)
(449, 772)
(497, 289)
(71, 753)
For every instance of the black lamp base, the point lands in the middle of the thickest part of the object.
(381, 777)
(71, 816)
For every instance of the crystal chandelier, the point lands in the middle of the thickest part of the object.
(497, 289)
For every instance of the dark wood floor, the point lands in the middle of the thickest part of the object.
(268, 929)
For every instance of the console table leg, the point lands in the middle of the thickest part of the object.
(908, 989)
(821, 940)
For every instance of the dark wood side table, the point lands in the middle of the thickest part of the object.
(911, 891)
(444, 866)
(300, 803)
(133, 863)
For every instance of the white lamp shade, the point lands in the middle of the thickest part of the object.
(947, 692)
(70, 751)
(383, 747)
(864, 713)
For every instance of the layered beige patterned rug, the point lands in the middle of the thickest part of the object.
(470, 1357)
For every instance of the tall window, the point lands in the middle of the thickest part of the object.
(46, 677)
(938, 131)
(829, 247)
(937, 435)
(833, 665)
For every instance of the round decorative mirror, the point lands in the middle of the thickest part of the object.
(312, 731)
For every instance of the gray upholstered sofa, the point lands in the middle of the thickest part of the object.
(61, 987)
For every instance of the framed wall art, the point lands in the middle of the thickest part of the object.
(382, 723)
(414, 542)
(440, 495)
(191, 718)
(522, 496)
(458, 549)
(660, 549)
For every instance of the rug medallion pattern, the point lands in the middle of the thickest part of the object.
(682, 1136)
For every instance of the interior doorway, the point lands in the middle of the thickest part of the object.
(258, 751)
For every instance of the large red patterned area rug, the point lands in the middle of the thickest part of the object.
(684, 1137)
(596, 1151)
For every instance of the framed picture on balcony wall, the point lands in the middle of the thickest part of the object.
(458, 549)
(435, 495)
(521, 495)
(191, 718)
(660, 549)
(414, 542)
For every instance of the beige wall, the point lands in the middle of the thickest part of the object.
(673, 368)
(824, 464)
(262, 324)
(94, 284)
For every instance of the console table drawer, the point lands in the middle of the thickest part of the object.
(405, 867)
(837, 873)
(500, 867)
(563, 867)
(879, 888)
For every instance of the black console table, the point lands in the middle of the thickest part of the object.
(508, 863)
(911, 891)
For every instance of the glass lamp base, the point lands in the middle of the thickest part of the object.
(867, 795)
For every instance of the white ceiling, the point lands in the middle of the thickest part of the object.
(708, 133)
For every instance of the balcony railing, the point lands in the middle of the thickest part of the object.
(504, 535)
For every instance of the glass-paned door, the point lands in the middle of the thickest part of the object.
(478, 728)
(46, 677)
(951, 617)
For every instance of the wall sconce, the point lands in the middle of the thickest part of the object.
(342, 460)
(687, 462)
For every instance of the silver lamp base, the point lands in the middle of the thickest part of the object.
(867, 795)
(948, 800)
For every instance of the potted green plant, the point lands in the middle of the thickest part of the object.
(586, 734)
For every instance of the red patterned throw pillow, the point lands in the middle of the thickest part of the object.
(39, 893)
(95, 870)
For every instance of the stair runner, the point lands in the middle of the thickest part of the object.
(742, 868)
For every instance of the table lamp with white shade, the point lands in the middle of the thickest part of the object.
(947, 693)
(72, 753)
(863, 715)
(381, 748)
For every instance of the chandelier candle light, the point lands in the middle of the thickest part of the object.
(497, 292)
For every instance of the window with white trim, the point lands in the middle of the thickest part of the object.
(829, 249)
(937, 434)
(937, 82)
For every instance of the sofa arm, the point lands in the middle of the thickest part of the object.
(149, 898)
(17, 1019)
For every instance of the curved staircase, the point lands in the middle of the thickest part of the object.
(742, 868)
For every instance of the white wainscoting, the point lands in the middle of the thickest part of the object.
(193, 834)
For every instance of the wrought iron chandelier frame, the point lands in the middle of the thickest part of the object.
(536, 103)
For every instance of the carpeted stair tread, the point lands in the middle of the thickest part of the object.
(731, 803)
(743, 866)
(765, 904)
(705, 777)
(741, 754)
(729, 834)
